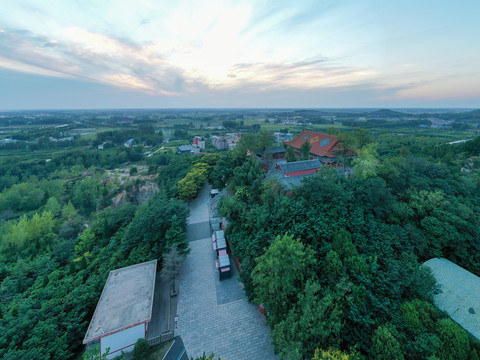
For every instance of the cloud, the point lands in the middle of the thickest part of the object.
(88, 56)
(164, 67)
(185, 49)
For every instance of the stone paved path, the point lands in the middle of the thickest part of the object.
(215, 317)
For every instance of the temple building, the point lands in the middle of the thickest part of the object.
(324, 147)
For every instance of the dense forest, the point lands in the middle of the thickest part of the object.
(337, 262)
(60, 235)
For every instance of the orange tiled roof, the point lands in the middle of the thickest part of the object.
(322, 144)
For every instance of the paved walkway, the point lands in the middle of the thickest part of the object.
(164, 307)
(177, 350)
(215, 317)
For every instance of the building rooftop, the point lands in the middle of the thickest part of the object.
(457, 293)
(321, 144)
(185, 148)
(300, 165)
(275, 150)
(288, 182)
(126, 300)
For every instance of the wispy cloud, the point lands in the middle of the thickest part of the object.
(188, 48)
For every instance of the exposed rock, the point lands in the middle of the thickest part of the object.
(119, 199)
(146, 192)
(137, 194)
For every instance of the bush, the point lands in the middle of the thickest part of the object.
(140, 350)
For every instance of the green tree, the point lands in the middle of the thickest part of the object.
(223, 170)
(53, 206)
(361, 137)
(158, 225)
(455, 344)
(333, 354)
(305, 150)
(474, 355)
(345, 149)
(290, 154)
(247, 173)
(419, 314)
(316, 320)
(279, 275)
(332, 265)
(141, 349)
(94, 354)
(68, 210)
(385, 346)
(404, 151)
(367, 163)
(264, 140)
(190, 185)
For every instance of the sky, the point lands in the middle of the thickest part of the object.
(68, 54)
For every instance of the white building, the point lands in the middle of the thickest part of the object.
(280, 137)
(199, 142)
(124, 310)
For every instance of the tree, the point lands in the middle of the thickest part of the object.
(157, 225)
(290, 154)
(140, 350)
(53, 206)
(455, 344)
(172, 263)
(404, 151)
(332, 265)
(367, 163)
(345, 150)
(264, 140)
(68, 210)
(223, 170)
(333, 354)
(279, 275)
(474, 355)
(361, 137)
(315, 320)
(305, 150)
(247, 173)
(94, 354)
(385, 346)
(191, 184)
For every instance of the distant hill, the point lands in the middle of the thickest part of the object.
(385, 113)
(308, 113)
(467, 117)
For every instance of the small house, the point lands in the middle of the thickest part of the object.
(184, 149)
(128, 143)
(124, 311)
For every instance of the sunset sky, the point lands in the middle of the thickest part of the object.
(183, 54)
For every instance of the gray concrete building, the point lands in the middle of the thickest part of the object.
(124, 310)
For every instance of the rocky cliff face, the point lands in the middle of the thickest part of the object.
(137, 194)
(146, 191)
